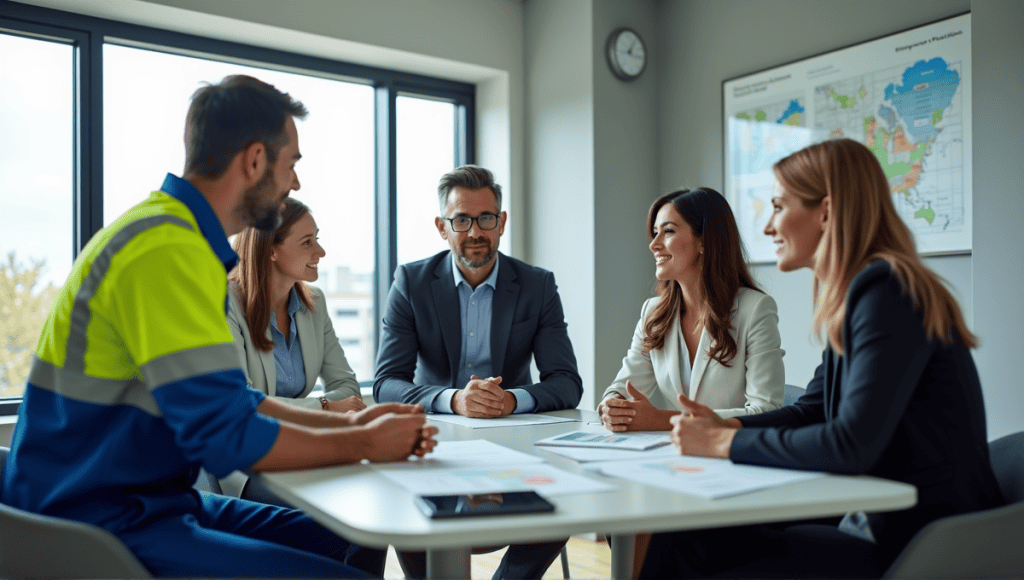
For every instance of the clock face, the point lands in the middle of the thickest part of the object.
(627, 54)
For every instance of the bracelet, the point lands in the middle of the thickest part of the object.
(324, 403)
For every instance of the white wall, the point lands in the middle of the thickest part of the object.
(626, 164)
(560, 162)
(704, 42)
(591, 173)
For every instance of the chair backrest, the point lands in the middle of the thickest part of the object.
(205, 481)
(1007, 455)
(793, 393)
(985, 544)
(38, 546)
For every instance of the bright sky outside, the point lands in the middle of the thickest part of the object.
(146, 95)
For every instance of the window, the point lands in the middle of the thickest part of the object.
(93, 112)
(426, 151)
(36, 193)
(336, 171)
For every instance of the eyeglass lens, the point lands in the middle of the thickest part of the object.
(464, 223)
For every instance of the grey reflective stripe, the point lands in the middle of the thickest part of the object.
(74, 358)
(190, 363)
(74, 385)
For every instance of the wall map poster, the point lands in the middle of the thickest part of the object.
(906, 96)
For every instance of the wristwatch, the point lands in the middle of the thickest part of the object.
(324, 403)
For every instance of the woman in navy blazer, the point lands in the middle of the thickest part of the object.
(897, 394)
(711, 333)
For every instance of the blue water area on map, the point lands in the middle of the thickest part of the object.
(794, 107)
(928, 86)
(887, 115)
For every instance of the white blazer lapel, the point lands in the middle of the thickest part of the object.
(666, 365)
(700, 363)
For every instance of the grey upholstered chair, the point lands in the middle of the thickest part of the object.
(986, 544)
(793, 393)
(38, 546)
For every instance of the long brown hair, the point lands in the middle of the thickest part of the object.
(723, 270)
(863, 226)
(252, 274)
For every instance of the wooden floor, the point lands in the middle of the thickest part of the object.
(587, 559)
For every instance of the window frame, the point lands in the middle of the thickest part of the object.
(88, 35)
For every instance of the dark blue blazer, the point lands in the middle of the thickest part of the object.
(897, 405)
(422, 337)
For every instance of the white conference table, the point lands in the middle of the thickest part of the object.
(356, 502)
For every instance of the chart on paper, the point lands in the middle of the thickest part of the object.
(710, 478)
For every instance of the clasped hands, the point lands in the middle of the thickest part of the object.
(697, 430)
(397, 430)
(483, 398)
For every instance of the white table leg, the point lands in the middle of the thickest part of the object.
(623, 547)
(449, 564)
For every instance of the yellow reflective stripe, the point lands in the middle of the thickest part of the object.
(80, 387)
(190, 363)
(74, 358)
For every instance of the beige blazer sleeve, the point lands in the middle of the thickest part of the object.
(638, 367)
(322, 355)
(753, 383)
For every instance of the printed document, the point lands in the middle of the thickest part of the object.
(542, 478)
(703, 476)
(506, 421)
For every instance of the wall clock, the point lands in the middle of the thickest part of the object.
(627, 55)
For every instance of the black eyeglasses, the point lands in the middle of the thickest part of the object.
(463, 223)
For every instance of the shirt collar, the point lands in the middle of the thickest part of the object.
(209, 224)
(294, 304)
(491, 280)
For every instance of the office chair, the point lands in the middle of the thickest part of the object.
(38, 546)
(205, 481)
(985, 544)
(793, 393)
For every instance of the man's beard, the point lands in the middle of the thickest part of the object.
(487, 258)
(258, 213)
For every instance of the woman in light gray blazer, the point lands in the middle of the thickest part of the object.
(282, 330)
(711, 334)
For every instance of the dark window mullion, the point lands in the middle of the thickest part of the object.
(386, 236)
(88, 139)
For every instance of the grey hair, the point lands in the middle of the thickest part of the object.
(470, 177)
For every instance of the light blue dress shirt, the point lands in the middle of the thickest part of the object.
(291, 373)
(475, 307)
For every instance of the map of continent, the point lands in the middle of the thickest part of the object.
(763, 135)
(911, 119)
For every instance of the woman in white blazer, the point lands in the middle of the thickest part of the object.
(711, 334)
(280, 322)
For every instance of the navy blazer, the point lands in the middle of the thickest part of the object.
(897, 405)
(422, 337)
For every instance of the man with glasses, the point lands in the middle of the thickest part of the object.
(461, 327)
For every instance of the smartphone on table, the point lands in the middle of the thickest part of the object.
(483, 504)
